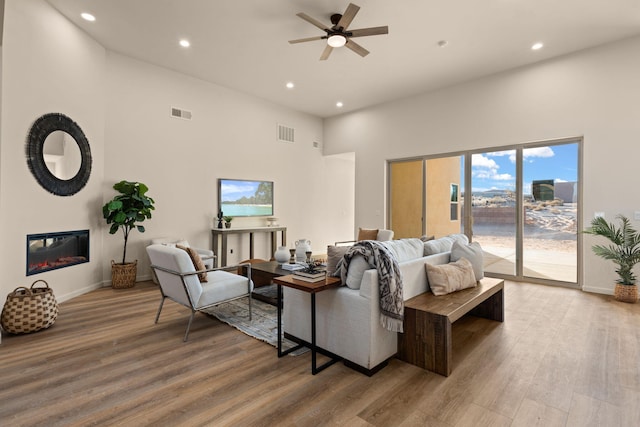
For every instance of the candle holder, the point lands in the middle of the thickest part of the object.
(292, 260)
(308, 254)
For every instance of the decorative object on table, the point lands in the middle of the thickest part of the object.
(281, 255)
(220, 216)
(308, 255)
(293, 266)
(311, 272)
(29, 309)
(302, 247)
(272, 221)
(624, 252)
(292, 259)
(227, 221)
(125, 212)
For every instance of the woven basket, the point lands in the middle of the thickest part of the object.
(29, 310)
(123, 275)
(626, 293)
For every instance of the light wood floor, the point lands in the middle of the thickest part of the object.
(562, 357)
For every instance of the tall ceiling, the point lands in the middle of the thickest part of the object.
(243, 44)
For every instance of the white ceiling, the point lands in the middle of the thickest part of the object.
(242, 44)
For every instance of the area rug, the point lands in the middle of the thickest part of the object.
(264, 323)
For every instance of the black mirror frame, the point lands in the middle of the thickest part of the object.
(38, 133)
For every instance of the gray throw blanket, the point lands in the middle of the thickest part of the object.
(389, 280)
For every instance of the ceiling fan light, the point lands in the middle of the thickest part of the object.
(336, 40)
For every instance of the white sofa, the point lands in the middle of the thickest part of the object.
(348, 320)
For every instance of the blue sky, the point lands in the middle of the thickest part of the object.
(233, 190)
(497, 169)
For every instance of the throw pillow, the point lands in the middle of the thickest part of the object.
(437, 246)
(473, 253)
(334, 255)
(357, 267)
(196, 260)
(367, 234)
(426, 238)
(447, 278)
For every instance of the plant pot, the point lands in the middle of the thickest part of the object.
(123, 275)
(626, 293)
(227, 224)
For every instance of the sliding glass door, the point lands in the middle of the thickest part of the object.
(521, 204)
(493, 209)
(550, 202)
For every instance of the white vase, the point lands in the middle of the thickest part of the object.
(281, 255)
(302, 247)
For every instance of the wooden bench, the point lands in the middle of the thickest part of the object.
(426, 341)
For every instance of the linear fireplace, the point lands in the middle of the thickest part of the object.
(50, 251)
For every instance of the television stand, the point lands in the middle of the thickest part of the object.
(223, 233)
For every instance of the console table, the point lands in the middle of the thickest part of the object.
(224, 232)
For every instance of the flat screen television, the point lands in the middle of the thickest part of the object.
(241, 197)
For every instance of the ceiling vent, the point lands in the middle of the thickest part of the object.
(286, 134)
(180, 114)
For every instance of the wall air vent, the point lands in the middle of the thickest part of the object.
(180, 114)
(286, 134)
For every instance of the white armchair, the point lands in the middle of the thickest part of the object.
(178, 280)
(207, 256)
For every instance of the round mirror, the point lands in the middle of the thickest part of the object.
(58, 154)
(61, 155)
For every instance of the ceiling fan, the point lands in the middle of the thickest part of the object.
(337, 35)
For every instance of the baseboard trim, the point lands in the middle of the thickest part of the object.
(78, 292)
(596, 290)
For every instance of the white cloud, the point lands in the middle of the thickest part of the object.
(560, 180)
(543, 152)
(486, 168)
(478, 160)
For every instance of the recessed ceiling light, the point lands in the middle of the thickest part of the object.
(290, 85)
(185, 43)
(339, 104)
(537, 46)
(88, 17)
(442, 43)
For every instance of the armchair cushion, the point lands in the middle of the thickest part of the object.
(197, 261)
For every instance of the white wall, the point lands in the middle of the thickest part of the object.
(123, 107)
(48, 65)
(231, 135)
(592, 93)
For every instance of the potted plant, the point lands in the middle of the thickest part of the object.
(624, 251)
(227, 221)
(125, 212)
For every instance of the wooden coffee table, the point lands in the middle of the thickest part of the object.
(262, 274)
(311, 288)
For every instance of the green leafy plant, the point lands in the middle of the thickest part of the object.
(227, 218)
(126, 210)
(624, 249)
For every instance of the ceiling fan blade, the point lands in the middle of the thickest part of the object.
(313, 21)
(326, 52)
(373, 31)
(348, 16)
(308, 39)
(357, 48)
